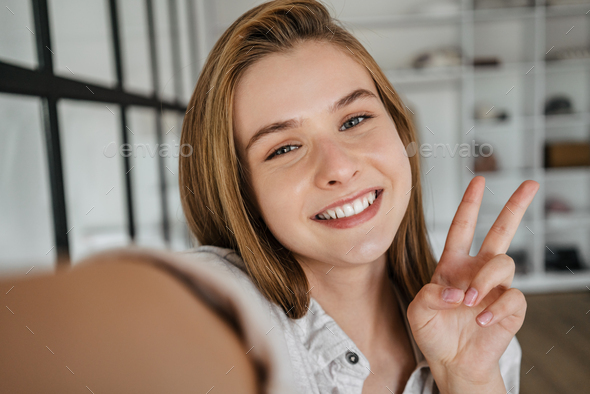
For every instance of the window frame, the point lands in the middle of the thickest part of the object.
(50, 88)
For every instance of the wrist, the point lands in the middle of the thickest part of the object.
(451, 383)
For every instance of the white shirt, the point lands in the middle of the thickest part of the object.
(317, 347)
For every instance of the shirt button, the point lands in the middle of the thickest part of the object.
(352, 357)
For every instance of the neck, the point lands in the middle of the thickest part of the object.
(360, 298)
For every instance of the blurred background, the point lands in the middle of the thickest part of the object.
(93, 95)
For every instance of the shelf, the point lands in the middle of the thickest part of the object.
(455, 73)
(427, 74)
(507, 68)
(402, 20)
(567, 10)
(567, 65)
(552, 281)
(502, 13)
(415, 19)
(491, 126)
(559, 173)
(575, 119)
(565, 221)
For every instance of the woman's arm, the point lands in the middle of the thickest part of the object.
(115, 326)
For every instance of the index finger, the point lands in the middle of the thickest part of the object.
(462, 228)
(500, 235)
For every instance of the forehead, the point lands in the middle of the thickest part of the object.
(299, 83)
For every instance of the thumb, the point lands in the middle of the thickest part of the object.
(430, 299)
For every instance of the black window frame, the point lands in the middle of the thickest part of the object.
(50, 88)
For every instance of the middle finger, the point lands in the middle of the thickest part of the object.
(500, 235)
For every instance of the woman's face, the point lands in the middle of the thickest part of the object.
(327, 151)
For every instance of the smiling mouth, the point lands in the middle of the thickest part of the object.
(351, 209)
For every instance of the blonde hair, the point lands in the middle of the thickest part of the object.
(217, 203)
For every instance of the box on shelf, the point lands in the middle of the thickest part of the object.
(567, 154)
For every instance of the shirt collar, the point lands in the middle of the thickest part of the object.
(326, 341)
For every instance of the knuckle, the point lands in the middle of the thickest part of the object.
(514, 205)
(414, 303)
(413, 309)
(461, 223)
(499, 262)
(500, 229)
(507, 262)
(518, 296)
(469, 199)
(515, 297)
(428, 293)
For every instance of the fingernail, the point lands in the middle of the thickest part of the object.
(485, 317)
(452, 295)
(470, 297)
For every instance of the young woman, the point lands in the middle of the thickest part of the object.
(299, 178)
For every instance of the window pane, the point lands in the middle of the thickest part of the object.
(81, 40)
(26, 224)
(135, 46)
(164, 49)
(147, 202)
(18, 42)
(172, 122)
(94, 176)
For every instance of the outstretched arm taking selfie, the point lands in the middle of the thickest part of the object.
(116, 325)
(464, 319)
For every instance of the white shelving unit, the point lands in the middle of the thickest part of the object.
(443, 101)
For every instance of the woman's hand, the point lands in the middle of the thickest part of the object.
(461, 346)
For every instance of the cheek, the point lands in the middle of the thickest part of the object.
(281, 217)
(279, 198)
(389, 154)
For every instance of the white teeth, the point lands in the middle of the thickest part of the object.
(354, 208)
(358, 206)
(348, 209)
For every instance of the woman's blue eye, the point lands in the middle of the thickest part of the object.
(281, 149)
(350, 120)
(363, 116)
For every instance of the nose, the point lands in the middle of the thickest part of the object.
(336, 163)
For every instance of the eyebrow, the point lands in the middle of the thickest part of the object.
(294, 123)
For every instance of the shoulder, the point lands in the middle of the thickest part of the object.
(227, 263)
(510, 366)
(230, 267)
(218, 258)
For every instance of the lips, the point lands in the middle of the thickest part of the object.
(347, 200)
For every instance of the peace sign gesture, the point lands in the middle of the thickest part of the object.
(464, 319)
